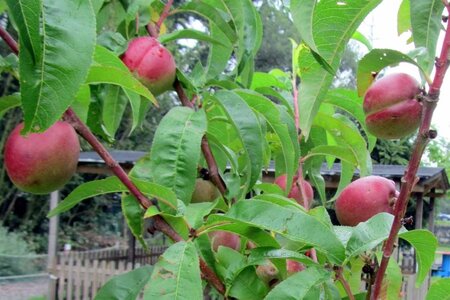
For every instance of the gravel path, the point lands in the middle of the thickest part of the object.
(24, 290)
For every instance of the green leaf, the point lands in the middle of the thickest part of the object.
(229, 264)
(176, 150)
(210, 13)
(439, 290)
(88, 190)
(9, 102)
(55, 55)
(403, 17)
(26, 14)
(297, 286)
(137, 104)
(167, 198)
(260, 254)
(82, 102)
(248, 25)
(126, 286)
(284, 97)
(369, 234)
(176, 275)
(219, 55)
(134, 216)
(195, 213)
(393, 279)
(261, 237)
(425, 244)
(376, 60)
(188, 34)
(269, 111)
(426, 24)
(358, 36)
(114, 104)
(344, 233)
(352, 274)
(247, 125)
(107, 61)
(261, 80)
(303, 15)
(326, 30)
(293, 224)
(337, 151)
(350, 136)
(349, 101)
(248, 285)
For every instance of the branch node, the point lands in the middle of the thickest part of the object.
(432, 134)
(193, 233)
(407, 221)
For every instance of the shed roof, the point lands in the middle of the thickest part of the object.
(433, 181)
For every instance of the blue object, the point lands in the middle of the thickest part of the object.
(444, 270)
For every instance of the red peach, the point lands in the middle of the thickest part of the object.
(295, 192)
(40, 163)
(151, 63)
(391, 109)
(364, 198)
(225, 239)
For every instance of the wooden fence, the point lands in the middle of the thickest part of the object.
(79, 275)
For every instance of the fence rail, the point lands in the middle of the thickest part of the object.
(79, 275)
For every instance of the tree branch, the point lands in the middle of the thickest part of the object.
(9, 40)
(408, 181)
(85, 132)
(345, 285)
(212, 165)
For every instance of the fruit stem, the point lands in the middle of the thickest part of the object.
(164, 14)
(422, 139)
(159, 223)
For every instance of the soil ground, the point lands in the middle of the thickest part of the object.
(30, 289)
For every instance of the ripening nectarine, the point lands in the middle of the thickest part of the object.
(151, 63)
(225, 239)
(293, 266)
(391, 109)
(295, 192)
(205, 191)
(364, 198)
(40, 163)
(268, 273)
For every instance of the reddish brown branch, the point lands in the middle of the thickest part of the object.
(160, 224)
(164, 14)
(71, 118)
(409, 179)
(345, 285)
(9, 40)
(212, 165)
(154, 28)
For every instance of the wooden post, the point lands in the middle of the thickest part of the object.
(131, 255)
(52, 247)
(432, 212)
(419, 211)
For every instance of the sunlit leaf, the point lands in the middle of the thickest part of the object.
(176, 275)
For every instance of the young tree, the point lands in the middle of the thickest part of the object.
(252, 241)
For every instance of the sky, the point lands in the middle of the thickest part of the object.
(381, 28)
